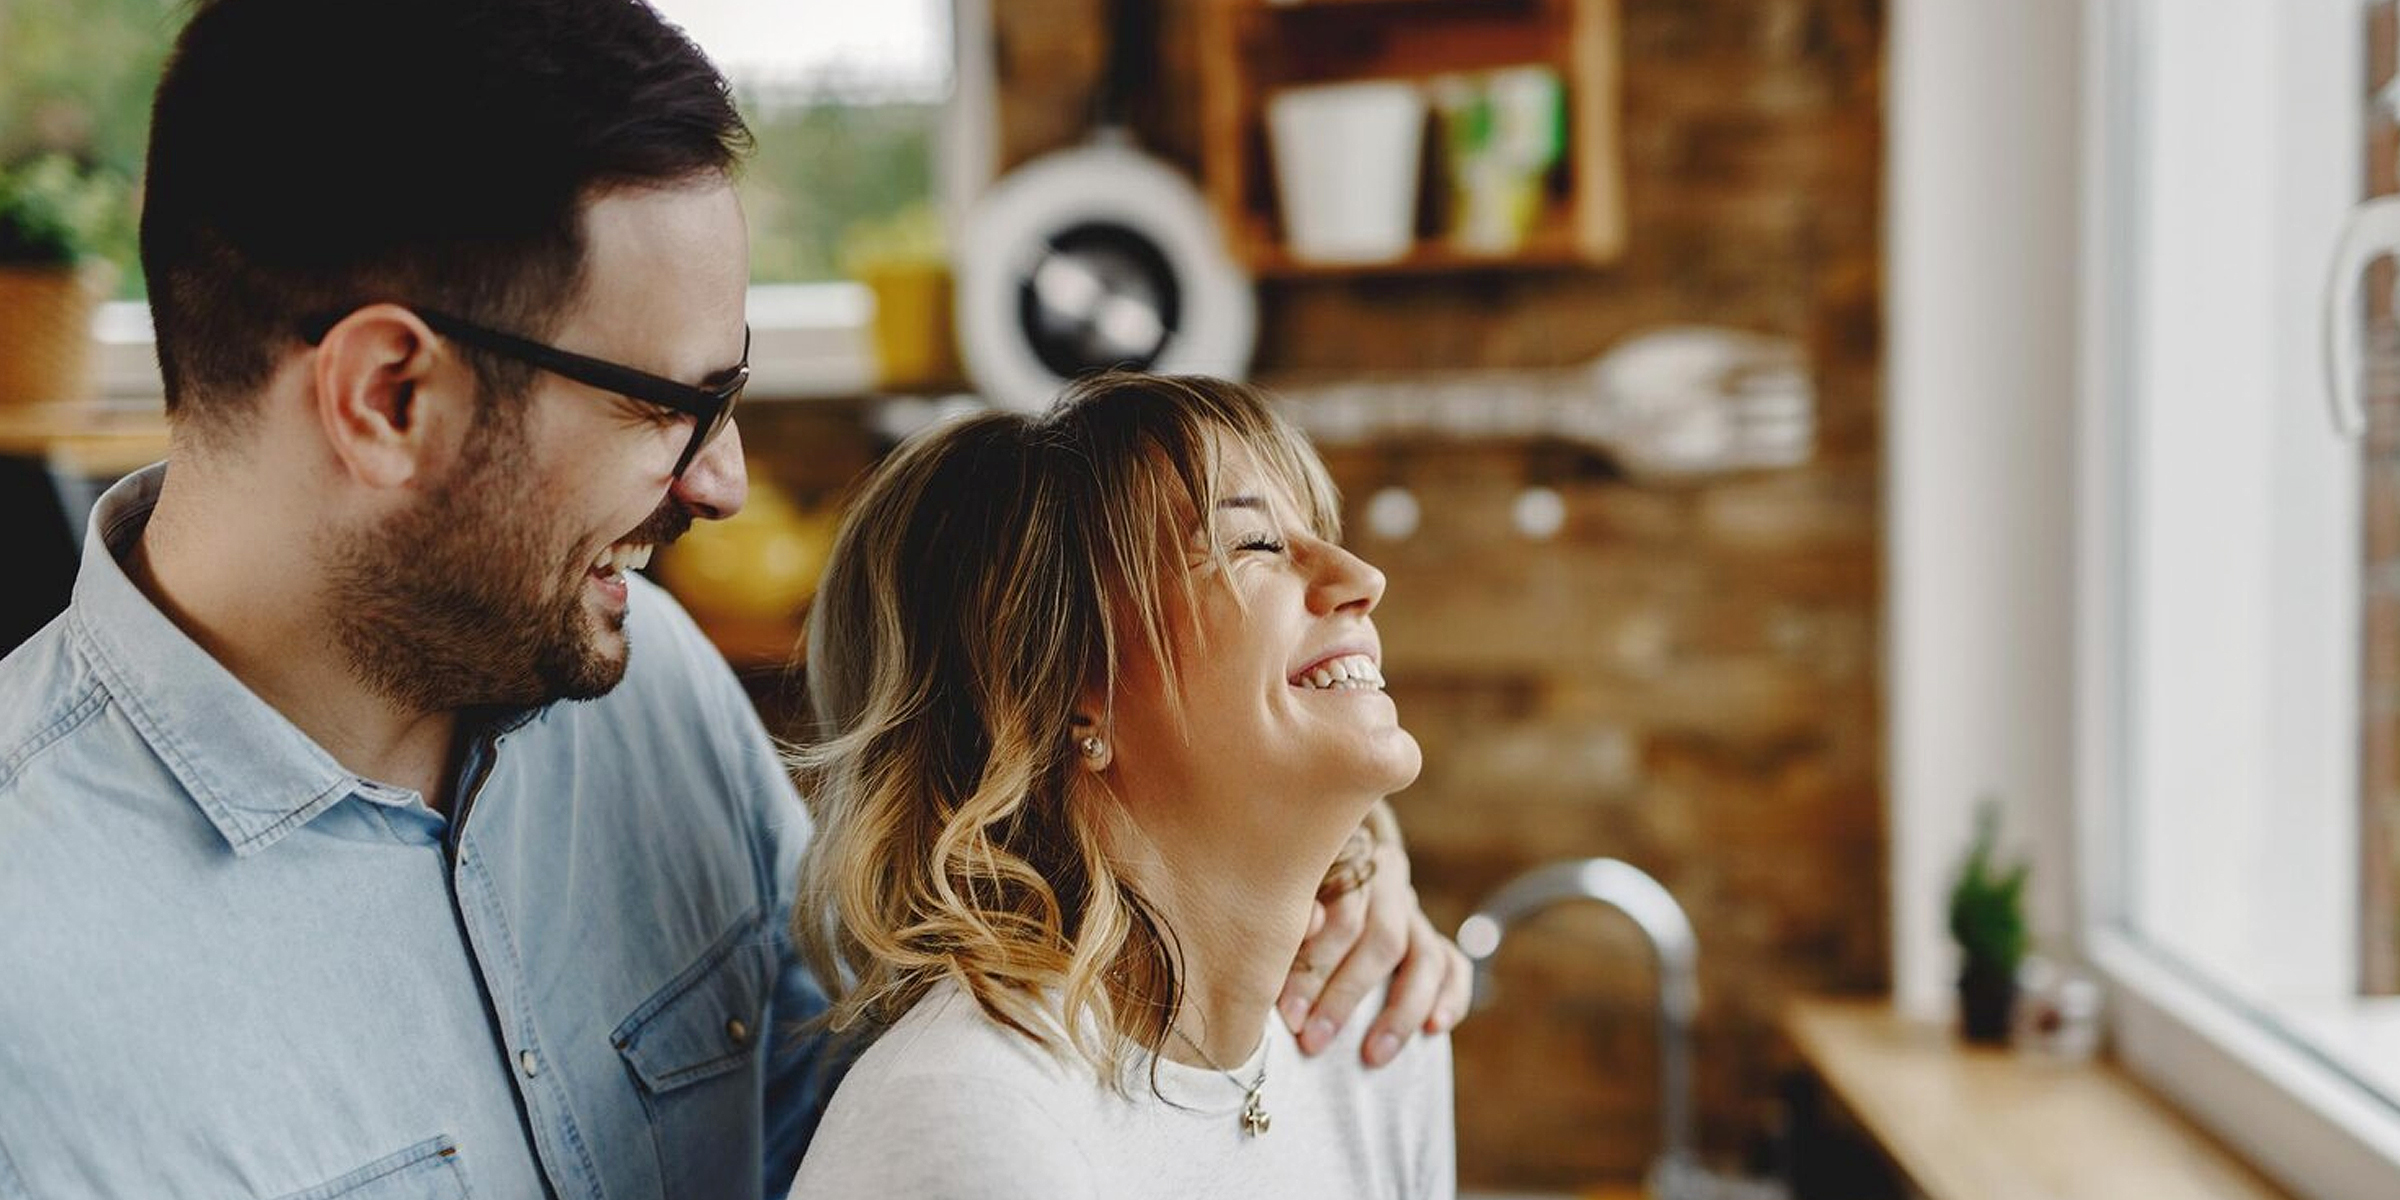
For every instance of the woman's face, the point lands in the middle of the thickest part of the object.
(1280, 671)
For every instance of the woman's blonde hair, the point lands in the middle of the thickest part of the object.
(992, 574)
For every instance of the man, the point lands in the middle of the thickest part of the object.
(366, 829)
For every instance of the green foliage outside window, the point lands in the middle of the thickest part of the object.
(76, 78)
(826, 170)
(54, 213)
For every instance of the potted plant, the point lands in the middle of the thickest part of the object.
(52, 214)
(1987, 918)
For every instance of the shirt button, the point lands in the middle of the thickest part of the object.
(530, 1061)
(739, 1032)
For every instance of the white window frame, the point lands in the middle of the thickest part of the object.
(2201, 1048)
(808, 340)
(2004, 530)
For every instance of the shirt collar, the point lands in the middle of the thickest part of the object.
(254, 774)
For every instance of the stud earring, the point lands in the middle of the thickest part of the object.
(1095, 752)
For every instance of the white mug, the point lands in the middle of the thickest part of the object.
(1346, 158)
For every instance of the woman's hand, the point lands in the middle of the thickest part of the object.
(1363, 934)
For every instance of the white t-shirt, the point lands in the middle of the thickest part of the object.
(951, 1105)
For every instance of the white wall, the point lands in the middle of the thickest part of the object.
(1981, 295)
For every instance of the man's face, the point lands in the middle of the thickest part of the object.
(505, 583)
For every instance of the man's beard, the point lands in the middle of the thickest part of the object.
(460, 602)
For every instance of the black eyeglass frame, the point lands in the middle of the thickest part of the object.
(711, 409)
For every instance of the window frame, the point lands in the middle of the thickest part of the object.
(2205, 1051)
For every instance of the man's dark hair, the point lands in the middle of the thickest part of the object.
(309, 156)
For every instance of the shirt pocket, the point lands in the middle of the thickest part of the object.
(429, 1170)
(692, 1049)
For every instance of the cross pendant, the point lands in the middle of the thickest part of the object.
(1254, 1115)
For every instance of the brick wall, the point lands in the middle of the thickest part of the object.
(1685, 678)
(2379, 699)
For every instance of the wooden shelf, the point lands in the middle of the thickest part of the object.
(1970, 1123)
(1554, 242)
(1251, 48)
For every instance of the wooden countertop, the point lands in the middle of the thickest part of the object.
(1984, 1124)
(86, 438)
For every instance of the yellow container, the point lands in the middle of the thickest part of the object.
(761, 565)
(916, 346)
(46, 333)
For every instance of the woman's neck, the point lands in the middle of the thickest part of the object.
(1238, 915)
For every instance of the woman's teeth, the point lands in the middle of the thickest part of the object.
(622, 557)
(1349, 672)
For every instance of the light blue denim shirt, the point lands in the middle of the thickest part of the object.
(231, 968)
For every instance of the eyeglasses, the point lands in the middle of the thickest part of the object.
(711, 408)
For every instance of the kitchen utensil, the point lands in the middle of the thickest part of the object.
(1680, 402)
(1098, 257)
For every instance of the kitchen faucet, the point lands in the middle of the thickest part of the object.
(1634, 893)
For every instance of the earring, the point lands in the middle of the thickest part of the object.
(1095, 752)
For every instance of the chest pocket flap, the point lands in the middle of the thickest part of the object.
(707, 1020)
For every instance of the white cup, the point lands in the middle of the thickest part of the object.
(1346, 161)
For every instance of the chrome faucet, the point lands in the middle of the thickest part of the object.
(1634, 893)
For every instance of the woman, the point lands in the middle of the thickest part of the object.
(1103, 701)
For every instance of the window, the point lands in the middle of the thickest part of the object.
(76, 78)
(852, 105)
(847, 103)
(2242, 658)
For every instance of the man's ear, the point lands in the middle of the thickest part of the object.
(392, 403)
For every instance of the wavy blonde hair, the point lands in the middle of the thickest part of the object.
(992, 574)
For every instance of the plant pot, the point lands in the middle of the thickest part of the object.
(1987, 998)
(46, 333)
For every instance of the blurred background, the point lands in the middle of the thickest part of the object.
(1865, 466)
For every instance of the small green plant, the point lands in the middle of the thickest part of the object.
(53, 213)
(1987, 903)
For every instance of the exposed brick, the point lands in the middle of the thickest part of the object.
(1685, 678)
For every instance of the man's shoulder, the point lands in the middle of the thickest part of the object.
(679, 720)
(47, 693)
(79, 784)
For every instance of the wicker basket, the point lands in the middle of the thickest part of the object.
(46, 334)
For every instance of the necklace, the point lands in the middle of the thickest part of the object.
(1254, 1112)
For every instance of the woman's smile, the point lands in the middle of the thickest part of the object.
(1342, 671)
